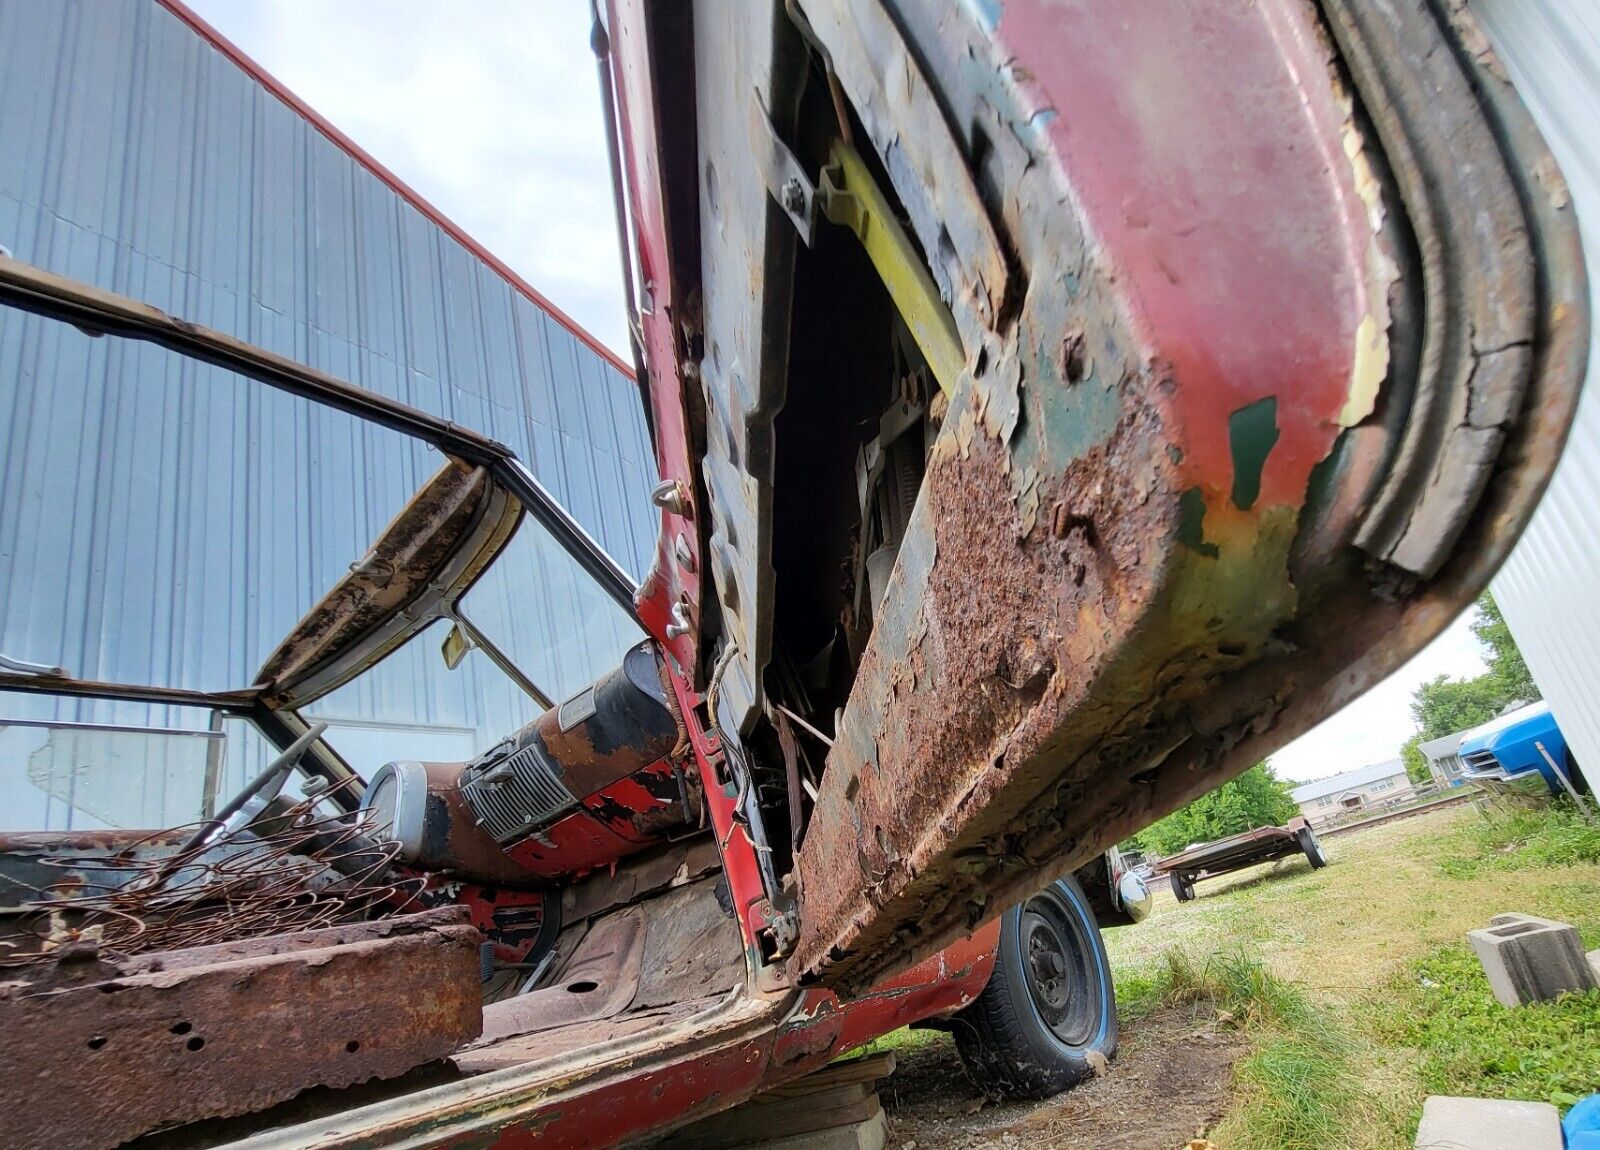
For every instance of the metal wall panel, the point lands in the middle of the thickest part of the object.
(136, 156)
(1549, 588)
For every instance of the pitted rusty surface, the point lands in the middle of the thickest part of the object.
(109, 1052)
(1105, 533)
(420, 540)
(1006, 637)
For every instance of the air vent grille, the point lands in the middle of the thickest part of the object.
(517, 795)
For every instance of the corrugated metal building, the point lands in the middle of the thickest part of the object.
(161, 521)
(1549, 590)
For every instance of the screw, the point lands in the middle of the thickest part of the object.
(793, 196)
(672, 496)
(678, 619)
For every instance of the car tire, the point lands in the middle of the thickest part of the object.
(1182, 888)
(1047, 1018)
(1312, 846)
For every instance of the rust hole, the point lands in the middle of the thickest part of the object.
(582, 986)
(96, 1042)
(182, 1027)
(352, 1046)
(194, 1043)
(1074, 357)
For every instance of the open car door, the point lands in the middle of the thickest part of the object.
(1062, 405)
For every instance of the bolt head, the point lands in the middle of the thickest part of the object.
(793, 195)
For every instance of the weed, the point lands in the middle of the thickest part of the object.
(1299, 1086)
(1470, 1044)
(1514, 834)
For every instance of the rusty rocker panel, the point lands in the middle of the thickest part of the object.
(1274, 318)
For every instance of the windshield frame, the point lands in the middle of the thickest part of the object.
(31, 289)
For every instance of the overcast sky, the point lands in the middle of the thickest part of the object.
(491, 110)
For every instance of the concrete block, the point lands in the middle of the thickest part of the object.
(1488, 1124)
(1529, 959)
(1594, 965)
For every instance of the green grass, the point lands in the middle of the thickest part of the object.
(1515, 834)
(900, 1042)
(1355, 987)
(1471, 1045)
(1300, 1087)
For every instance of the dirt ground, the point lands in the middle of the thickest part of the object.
(1169, 1083)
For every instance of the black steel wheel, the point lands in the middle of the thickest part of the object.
(1182, 887)
(1312, 846)
(1048, 1015)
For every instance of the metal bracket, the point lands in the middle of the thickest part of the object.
(786, 181)
(22, 667)
(851, 198)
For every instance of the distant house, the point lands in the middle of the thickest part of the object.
(1444, 757)
(1355, 790)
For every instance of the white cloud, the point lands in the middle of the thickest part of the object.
(1372, 728)
(490, 110)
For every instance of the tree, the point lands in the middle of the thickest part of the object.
(1255, 799)
(1416, 762)
(1506, 663)
(1444, 705)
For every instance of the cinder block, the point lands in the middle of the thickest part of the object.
(1488, 1124)
(1529, 959)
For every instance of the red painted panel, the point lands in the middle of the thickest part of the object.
(669, 581)
(1204, 146)
(624, 1108)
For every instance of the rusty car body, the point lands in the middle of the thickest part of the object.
(1058, 406)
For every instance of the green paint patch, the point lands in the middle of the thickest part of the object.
(1252, 433)
(1192, 523)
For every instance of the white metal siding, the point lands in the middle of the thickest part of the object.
(1550, 587)
(136, 156)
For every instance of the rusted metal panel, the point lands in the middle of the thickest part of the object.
(1132, 567)
(98, 1051)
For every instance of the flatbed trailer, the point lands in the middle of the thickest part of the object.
(1264, 844)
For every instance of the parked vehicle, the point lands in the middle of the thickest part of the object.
(1236, 852)
(1515, 745)
(1057, 408)
(584, 847)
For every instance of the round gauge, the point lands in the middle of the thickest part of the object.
(396, 806)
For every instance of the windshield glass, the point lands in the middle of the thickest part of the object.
(543, 613)
(411, 706)
(182, 528)
(71, 764)
(173, 532)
